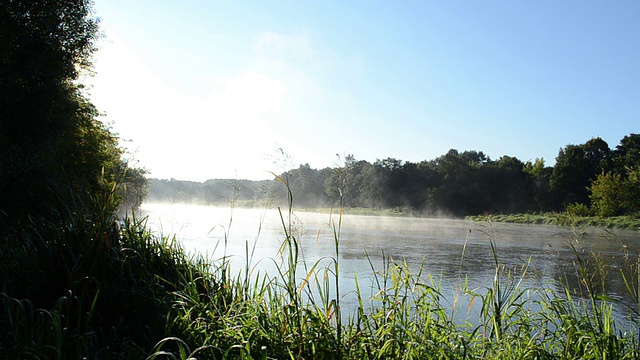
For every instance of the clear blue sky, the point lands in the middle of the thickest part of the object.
(211, 89)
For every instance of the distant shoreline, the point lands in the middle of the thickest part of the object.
(564, 219)
(559, 219)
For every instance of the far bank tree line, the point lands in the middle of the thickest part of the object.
(587, 179)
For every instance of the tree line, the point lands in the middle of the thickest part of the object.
(589, 179)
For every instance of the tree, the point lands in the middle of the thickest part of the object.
(613, 193)
(135, 186)
(511, 189)
(633, 183)
(53, 146)
(576, 166)
(385, 183)
(540, 176)
(307, 185)
(459, 190)
(607, 194)
(410, 182)
(347, 183)
(627, 154)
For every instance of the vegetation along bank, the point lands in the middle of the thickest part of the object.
(77, 280)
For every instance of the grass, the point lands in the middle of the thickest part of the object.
(564, 219)
(81, 287)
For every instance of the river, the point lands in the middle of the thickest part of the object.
(451, 251)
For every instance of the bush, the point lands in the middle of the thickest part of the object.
(88, 286)
(577, 209)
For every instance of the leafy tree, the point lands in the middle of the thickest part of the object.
(386, 182)
(615, 194)
(597, 153)
(371, 183)
(410, 183)
(576, 166)
(627, 154)
(607, 194)
(354, 184)
(540, 177)
(459, 189)
(307, 185)
(633, 183)
(464, 183)
(135, 186)
(53, 145)
(511, 189)
(534, 168)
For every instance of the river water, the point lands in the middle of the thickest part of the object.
(451, 251)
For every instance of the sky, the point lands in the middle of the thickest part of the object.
(204, 89)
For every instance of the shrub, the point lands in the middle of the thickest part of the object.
(577, 209)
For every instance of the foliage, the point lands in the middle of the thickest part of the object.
(214, 191)
(540, 176)
(633, 188)
(53, 146)
(309, 184)
(76, 282)
(578, 209)
(615, 194)
(457, 183)
(627, 153)
(134, 186)
(564, 219)
(576, 166)
(82, 288)
(607, 193)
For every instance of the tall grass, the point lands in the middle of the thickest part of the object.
(83, 287)
(409, 317)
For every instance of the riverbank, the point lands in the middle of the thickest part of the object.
(88, 289)
(362, 211)
(564, 219)
(560, 219)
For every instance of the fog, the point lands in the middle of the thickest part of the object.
(451, 251)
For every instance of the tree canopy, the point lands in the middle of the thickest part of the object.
(54, 147)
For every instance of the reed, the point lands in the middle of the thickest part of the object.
(84, 288)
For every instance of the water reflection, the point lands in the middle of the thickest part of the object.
(452, 251)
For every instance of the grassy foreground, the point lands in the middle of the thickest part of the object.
(84, 287)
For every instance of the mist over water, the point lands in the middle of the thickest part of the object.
(451, 251)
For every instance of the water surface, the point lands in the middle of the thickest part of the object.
(451, 251)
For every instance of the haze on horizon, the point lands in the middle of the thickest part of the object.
(211, 89)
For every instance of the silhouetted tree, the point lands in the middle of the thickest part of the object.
(510, 186)
(460, 190)
(576, 166)
(52, 145)
(627, 153)
(134, 187)
(540, 176)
